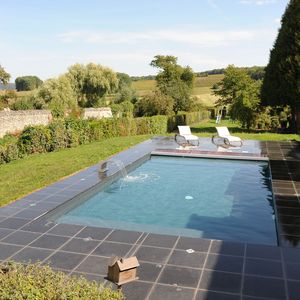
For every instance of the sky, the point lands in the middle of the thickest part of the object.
(44, 38)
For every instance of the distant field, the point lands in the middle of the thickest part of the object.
(202, 89)
(19, 94)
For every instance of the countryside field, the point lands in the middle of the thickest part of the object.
(202, 88)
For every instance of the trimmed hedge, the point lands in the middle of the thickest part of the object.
(71, 132)
(19, 282)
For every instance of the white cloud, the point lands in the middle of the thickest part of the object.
(258, 2)
(200, 38)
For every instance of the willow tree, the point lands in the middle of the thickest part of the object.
(92, 82)
(281, 85)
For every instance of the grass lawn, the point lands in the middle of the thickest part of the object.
(207, 129)
(21, 177)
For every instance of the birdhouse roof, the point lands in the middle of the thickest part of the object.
(127, 263)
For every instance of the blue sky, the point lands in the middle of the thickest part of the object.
(44, 38)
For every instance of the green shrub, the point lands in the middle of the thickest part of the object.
(35, 139)
(142, 126)
(8, 149)
(59, 137)
(126, 126)
(158, 125)
(71, 132)
(78, 131)
(19, 282)
(187, 118)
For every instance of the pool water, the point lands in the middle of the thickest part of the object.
(195, 197)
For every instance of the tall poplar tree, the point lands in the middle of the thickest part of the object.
(281, 85)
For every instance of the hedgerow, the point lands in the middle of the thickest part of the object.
(71, 132)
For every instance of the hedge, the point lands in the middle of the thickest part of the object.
(19, 282)
(71, 132)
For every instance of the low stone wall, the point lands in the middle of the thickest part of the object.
(97, 113)
(14, 121)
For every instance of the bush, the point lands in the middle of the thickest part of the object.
(35, 139)
(187, 118)
(71, 132)
(59, 137)
(9, 149)
(19, 282)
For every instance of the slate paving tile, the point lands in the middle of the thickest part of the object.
(224, 263)
(227, 248)
(21, 238)
(31, 255)
(293, 271)
(7, 250)
(124, 236)
(183, 258)
(4, 232)
(196, 244)
(65, 229)
(181, 276)
(112, 249)
(80, 245)
(38, 226)
(151, 254)
(148, 271)
(159, 240)
(293, 289)
(94, 264)
(136, 290)
(263, 267)
(209, 295)
(65, 260)
(49, 241)
(13, 223)
(221, 281)
(94, 232)
(171, 293)
(263, 251)
(29, 214)
(291, 255)
(264, 287)
(8, 211)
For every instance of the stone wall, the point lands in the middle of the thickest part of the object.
(97, 113)
(14, 121)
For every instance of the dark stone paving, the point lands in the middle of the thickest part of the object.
(216, 270)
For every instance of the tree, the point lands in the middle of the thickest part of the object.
(281, 85)
(174, 80)
(4, 76)
(235, 80)
(27, 83)
(58, 95)
(91, 82)
(124, 91)
(245, 104)
(153, 104)
(240, 93)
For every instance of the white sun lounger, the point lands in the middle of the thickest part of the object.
(228, 139)
(185, 137)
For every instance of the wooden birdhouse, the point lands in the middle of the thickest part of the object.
(122, 270)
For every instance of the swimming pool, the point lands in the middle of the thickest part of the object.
(195, 197)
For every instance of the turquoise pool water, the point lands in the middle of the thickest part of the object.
(195, 197)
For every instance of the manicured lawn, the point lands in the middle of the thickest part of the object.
(21, 177)
(207, 129)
